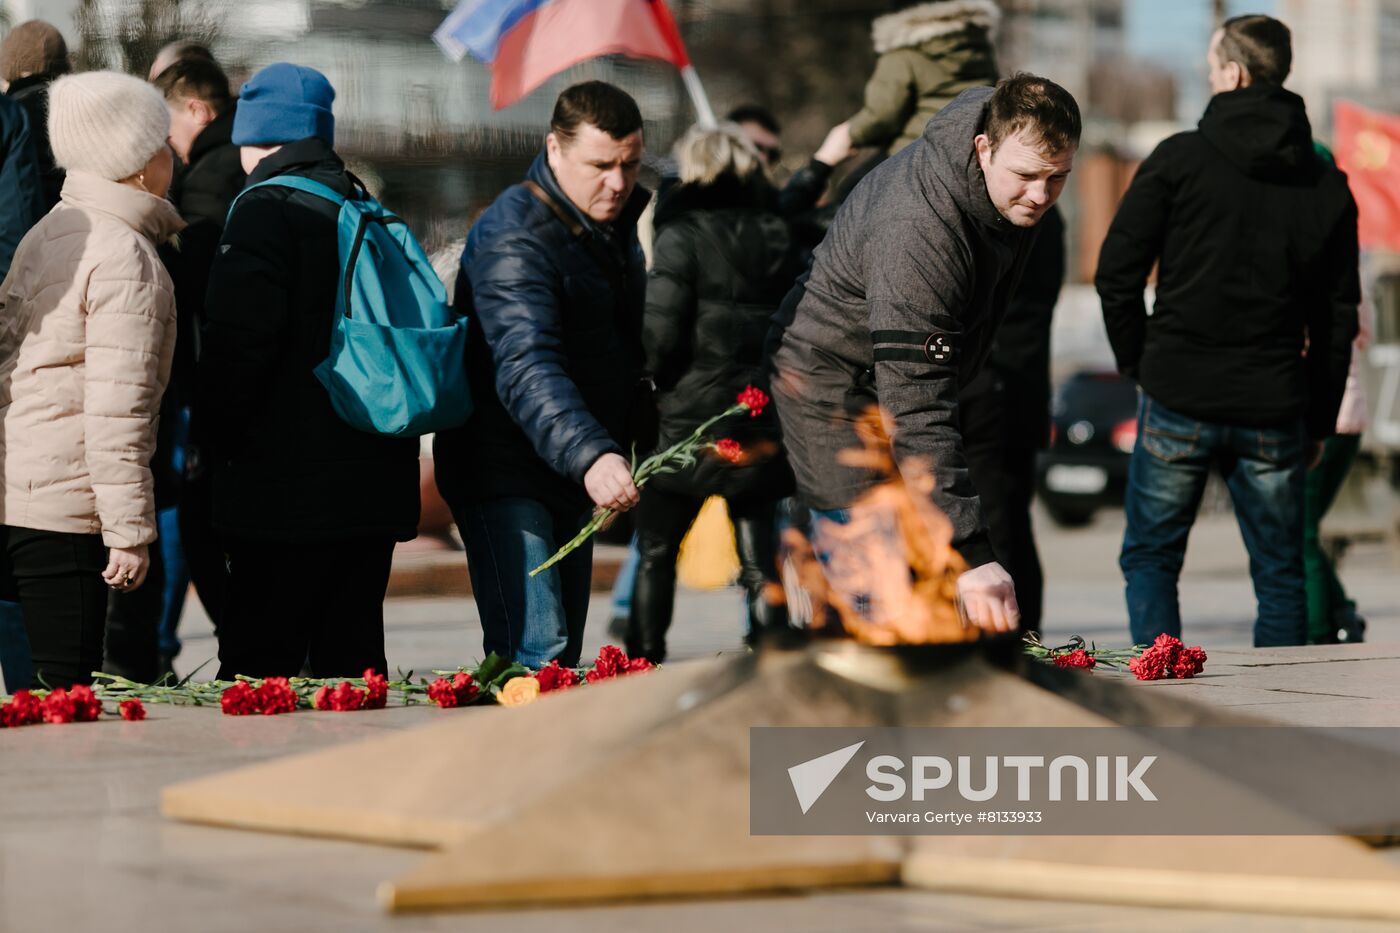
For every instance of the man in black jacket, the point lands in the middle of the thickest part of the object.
(21, 199)
(904, 297)
(1244, 357)
(308, 508)
(1005, 417)
(554, 279)
(202, 113)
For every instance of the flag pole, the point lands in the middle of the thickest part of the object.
(704, 115)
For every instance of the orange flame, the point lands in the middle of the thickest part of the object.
(895, 554)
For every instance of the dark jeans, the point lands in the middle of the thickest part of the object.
(133, 624)
(296, 603)
(204, 554)
(57, 580)
(1264, 471)
(15, 667)
(662, 519)
(533, 620)
(1326, 596)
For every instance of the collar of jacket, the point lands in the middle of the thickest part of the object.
(1262, 130)
(301, 158)
(726, 192)
(950, 155)
(912, 27)
(154, 218)
(20, 87)
(541, 174)
(218, 132)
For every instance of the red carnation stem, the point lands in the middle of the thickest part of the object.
(644, 472)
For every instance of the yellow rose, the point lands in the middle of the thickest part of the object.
(518, 691)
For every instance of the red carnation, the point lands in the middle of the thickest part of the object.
(59, 706)
(1189, 663)
(754, 399)
(240, 699)
(729, 450)
(274, 696)
(1152, 664)
(555, 677)
(637, 665)
(1076, 658)
(440, 692)
(465, 687)
(461, 689)
(132, 710)
(347, 698)
(376, 690)
(86, 706)
(610, 662)
(24, 709)
(322, 698)
(1167, 641)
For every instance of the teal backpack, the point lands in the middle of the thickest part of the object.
(397, 361)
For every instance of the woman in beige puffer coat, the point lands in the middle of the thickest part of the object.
(87, 332)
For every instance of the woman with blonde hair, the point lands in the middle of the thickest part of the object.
(87, 332)
(722, 262)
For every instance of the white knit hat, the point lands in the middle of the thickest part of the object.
(106, 123)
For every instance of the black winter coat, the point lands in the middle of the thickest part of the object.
(202, 194)
(899, 309)
(1014, 387)
(722, 262)
(286, 466)
(1256, 235)
(553, 352)
(22, 203)
(32, 93)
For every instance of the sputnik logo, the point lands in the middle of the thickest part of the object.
(810, 779)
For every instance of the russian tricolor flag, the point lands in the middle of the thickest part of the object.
(524, 42)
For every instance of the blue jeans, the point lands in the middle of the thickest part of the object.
(1264, 470)
(175, 583)
(626, 581)
(533, 620)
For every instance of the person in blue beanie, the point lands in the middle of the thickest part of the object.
(308, 508)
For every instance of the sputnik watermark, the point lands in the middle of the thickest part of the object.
(933, 773)
(1066, 781)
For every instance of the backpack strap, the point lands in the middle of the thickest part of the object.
(616, 274)
(296, 182)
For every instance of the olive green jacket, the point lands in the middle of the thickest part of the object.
(929, 54)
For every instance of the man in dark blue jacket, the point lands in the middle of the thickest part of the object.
(21, 199)
(554, 278)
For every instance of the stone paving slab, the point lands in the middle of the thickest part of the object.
(83, 847)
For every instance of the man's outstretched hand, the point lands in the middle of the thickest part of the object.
(989, 598)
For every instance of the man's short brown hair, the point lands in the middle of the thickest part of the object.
(1259, 44)
(597, 103)
(196, 79)
(1046, 111)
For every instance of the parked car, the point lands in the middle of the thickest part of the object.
(1092, 431)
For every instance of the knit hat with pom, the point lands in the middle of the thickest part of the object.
(106, 123)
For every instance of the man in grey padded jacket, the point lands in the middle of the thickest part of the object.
(902, 302)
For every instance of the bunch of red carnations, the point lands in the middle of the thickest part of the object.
(64, 705)
(1168, 658)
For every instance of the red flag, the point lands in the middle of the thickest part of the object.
(1368, 150)
(560, 33)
